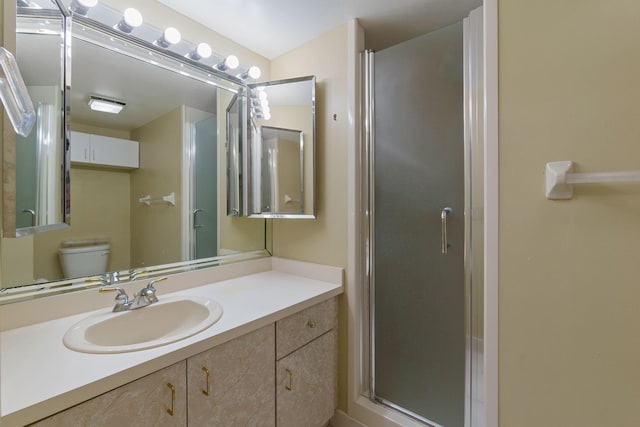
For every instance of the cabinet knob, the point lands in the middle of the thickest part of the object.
(311, 324)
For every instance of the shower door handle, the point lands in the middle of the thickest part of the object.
(33, 216)
(443, 219)
(195, 213)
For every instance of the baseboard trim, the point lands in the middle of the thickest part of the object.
(341, 419)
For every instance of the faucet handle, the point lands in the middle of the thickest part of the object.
(122, 299)
(154, 281)
(150, 291)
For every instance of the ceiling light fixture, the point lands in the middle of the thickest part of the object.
(253, 72)
(202, 51)
(231, 62)
(131, 19)
(105, 105)
(170, 36)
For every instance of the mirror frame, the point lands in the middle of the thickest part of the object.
(9, 209)
(104, 36)
(250, 178)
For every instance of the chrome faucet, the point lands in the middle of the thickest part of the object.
(141, 299)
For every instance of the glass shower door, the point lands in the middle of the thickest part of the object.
(418, 267)
(205, 212)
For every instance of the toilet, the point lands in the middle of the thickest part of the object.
(84, 257)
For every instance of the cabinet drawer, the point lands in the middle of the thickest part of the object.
(298, 329)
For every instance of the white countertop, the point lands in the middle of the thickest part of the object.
(40, 376)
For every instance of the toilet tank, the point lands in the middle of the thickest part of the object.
(84, 257)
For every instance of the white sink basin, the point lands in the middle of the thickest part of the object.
(169, 320)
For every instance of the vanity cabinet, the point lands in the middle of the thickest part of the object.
(232, 384)
(88, 149)
(307, 366)
(147, 401)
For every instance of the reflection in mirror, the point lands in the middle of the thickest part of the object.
(282, 170)
(156, 208)
(235, 189)
(41, 198)
(282, 162)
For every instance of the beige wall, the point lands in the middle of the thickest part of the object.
(156, 230)
(569, 287)
(323, 240)
(100, 208)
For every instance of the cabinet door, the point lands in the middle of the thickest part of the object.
(141, 403)
(306, 384)
(114, 152)
(232, 384)
(80, 147)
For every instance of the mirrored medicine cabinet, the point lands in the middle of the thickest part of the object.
(263, 164)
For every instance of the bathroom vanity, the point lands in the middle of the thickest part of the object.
(271, 359)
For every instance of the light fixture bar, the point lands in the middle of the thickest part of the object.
(105, 105)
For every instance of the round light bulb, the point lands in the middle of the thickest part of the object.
(231, 62)
(132, 17)
(264, 103)
(254, 72)
(262, 94)
(171, 35)
(87, 3)
(203, 50)
(267, 116)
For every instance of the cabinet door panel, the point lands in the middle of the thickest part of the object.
(306, 384)
(241, 378)
(114, 152)
(141, 403)
(80, 147)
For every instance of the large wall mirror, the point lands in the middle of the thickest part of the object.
(281, 169)
(165, 213)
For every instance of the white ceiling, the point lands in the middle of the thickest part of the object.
(274, 27)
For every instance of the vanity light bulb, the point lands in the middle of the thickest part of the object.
(267, 116)
(81, 7)
(131, 19)
(262, 95)
(254, 72)
(202, 51)
(264, 103)
(231, 62)
(170, 36)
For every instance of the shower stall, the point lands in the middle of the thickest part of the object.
(424, 157)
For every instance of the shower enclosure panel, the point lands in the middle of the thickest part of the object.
(418, 305)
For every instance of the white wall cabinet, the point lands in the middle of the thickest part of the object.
(238, 383)
(96, 150)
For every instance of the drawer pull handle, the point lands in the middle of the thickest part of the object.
(207, 374)
(311, 324)
(290, 385)
(173, 399)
